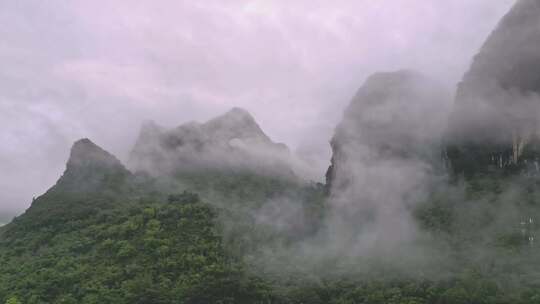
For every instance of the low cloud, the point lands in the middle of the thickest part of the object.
(98, 69)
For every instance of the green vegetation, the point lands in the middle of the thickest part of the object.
(151, 252)
(128, 241)
(125, 241)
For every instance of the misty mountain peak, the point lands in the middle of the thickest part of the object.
(394, 109)
(232, 140)
(390, 78)
(509, 58)
(84, 153)
(235, 124)
(90, 168)
(394, 115)
(239, 112)
(495, 121)
(150, 128)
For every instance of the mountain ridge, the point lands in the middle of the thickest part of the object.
(231, 141)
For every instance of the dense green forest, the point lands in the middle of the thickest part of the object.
(130, 243)
(216, 213)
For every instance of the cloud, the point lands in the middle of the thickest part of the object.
(98, 68)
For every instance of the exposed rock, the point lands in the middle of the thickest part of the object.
(495, 121)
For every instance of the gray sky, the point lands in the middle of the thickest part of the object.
(97, 69)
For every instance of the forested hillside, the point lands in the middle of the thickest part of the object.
(147, 247)
(414, 211)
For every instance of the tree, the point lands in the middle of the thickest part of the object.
(13, 300)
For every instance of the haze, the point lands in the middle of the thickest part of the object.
(97, 69)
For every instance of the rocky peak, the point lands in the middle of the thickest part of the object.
(236, 123)
(237, 113)
(397, 110)
(85, 153)
(509, 58)
(393, 115)
(233, 140)
(88, 167)
(495, 120)
(91, 179)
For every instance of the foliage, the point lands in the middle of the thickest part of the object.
(132, 243)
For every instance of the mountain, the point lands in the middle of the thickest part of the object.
(233, 141)
(104, 235)
(494, 126)
(93, 179)
(213, 213)
(145, 251)
(90, 168)
(395, 115)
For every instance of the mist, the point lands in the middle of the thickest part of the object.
(270, 152)
(386, 162)
(97, 70)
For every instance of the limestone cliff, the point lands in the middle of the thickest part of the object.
(495, 121)
(398, 115)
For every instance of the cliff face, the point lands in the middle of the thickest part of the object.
(495, 120)
(233, 141)
(397, 115)
(385, 152)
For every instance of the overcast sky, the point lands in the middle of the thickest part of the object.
(97, 69)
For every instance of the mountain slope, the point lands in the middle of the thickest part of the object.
(104, 235)
(494, 126)
(94, 179)
(153, 252)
